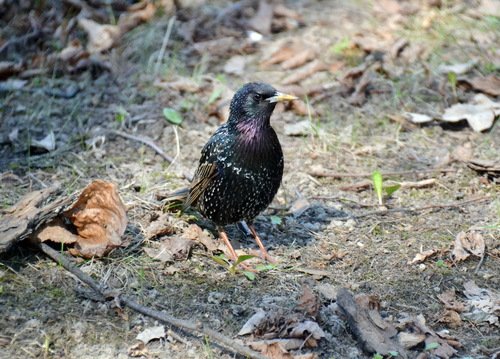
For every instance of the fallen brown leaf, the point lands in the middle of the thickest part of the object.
(137, 14)
(488, 84)
(101, 37)
(100, 219)
(466, 244)
(409, 340)
(56, 232)
(309, 302)
(170, 249)
(483, 304)
(261, 21)
(276, 350)
(450, 301)
(196, 233)
(451, 318)
(422, 256)
(280, 55)
(73, 53)
(480, 113)
(298, 59)
(306, 71)
(160, 227)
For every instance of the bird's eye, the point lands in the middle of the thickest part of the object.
(257, 96)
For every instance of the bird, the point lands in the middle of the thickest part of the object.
(241, 166)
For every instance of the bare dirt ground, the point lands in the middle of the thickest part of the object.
(369, 64)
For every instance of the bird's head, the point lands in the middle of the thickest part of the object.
(255, 102)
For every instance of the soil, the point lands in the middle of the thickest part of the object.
(42, 315)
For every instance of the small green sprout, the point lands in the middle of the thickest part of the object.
(172, 116)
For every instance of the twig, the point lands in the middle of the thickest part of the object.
(479, 264)
(424, 208)
(189, 326)
(327, 173)
(164, 45)
(145, 140)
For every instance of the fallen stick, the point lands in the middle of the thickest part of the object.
(145, 140)
(332, 174)
(366, 184)
(189, 326)
(424, 208)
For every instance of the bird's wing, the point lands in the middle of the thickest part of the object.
(205, 173)
(208, 167)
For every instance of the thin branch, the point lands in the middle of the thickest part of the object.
(332, 174)
(164, 46)
(424, 208)
(145, 140)
(189, 326)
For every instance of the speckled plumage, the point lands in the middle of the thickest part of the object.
(241, 165)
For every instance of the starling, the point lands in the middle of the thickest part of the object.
(241, 165)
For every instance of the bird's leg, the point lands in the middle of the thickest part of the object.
(232, 252)
(263, 250)
(223, 235)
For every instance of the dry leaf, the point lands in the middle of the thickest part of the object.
(138, 350)
(451, 318)
(73, 53)
(489, 84)
(170, 249)
(418, 326)
(281, 54)
(274, 349)
(160, 227)
(196, 233)
(309, 301)
(305, 329)
(417, 117)
(151, 333)
(422, 256)
(100, 219)
(305, 72)
(253, 323)
(450, 301)
(101, 37)
(480, 114)
(458, 69)
(48, 142)
(483, 304)
(297, 59)
(409, 340)
(261, 22)
(141, 12)
(467, 244)
(56, 232)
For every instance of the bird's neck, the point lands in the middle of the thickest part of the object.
(251, 130)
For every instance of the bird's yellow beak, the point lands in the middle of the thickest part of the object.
(279, 97)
